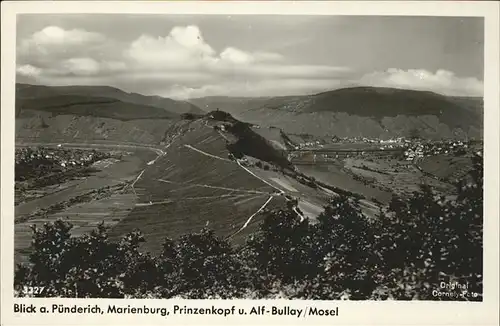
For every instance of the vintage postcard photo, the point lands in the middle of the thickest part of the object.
(299, 158)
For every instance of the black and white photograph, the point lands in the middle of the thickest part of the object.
(254, 157)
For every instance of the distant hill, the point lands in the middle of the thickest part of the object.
(81, 113)
(25, 91)
(378, 103)
(42, 126)
(232, 105)
(350, 112)
(91, 106)
(362, 112)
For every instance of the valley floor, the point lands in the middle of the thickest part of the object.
(191, 183)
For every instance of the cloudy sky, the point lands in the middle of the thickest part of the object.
(194, 56)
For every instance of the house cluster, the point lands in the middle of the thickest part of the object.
(381, 144)
(337, 139)
(309, 144)
(419, 150)
(58, 157)
(398, 140)
(413, 148)
(413, 153)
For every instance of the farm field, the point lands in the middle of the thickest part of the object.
(111, 175)
(84, 217)
(446, 167)
(399, 176)
(85, 202)
(333, 175)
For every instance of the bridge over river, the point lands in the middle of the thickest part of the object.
(326, 156)
(346, 150)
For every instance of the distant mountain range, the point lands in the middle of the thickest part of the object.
(360, 111)
(362, 101)
(350, 112)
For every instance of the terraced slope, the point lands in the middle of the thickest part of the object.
(194, 185)
(45, 127)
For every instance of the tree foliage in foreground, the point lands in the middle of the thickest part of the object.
(403, 254)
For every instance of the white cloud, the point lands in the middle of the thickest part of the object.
(183, 47)
(55, 35)
(442, 81)
(81, 66)
(54, 41)
(234, 55)
(56, 51)
(157, 64)
(28, 71)
(182, 64)
(237, 56)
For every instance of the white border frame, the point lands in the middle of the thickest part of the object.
(352, 313)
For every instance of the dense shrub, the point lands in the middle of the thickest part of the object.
(405, 253)
(202, 265)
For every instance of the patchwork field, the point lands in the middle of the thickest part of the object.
(335, 176)
(445, 167)
(400, 177)
(101, 197)
(84, 217)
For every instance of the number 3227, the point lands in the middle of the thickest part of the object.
(33, 289)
